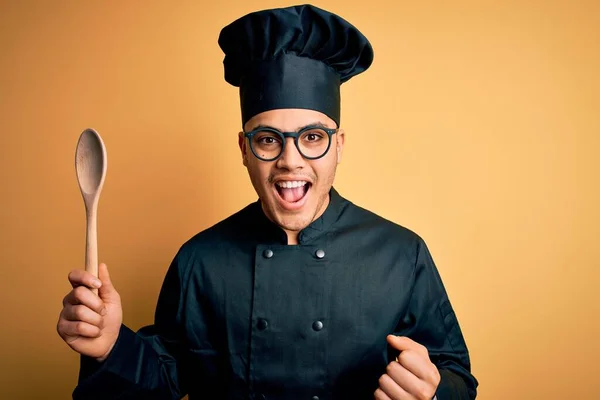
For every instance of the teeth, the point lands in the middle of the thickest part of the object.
(291, 184)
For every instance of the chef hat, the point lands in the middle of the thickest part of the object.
(294, 57)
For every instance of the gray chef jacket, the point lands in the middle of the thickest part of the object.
(243, 315)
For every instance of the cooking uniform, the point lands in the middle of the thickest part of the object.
(243, 315)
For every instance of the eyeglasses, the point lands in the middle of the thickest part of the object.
(268, 144)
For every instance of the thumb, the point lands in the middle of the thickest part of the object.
(107, 291)
(400, 342)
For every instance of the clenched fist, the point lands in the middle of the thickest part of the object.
(89, 323)
(412, 377)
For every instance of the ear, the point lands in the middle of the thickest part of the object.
(340, 137)
(243, 148)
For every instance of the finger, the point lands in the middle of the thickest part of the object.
(405, 379)
(380, 395)
(78, 328)
(393, 390)
(84, 314)
(79, 277)
(83, 295)
(107, 291)
(404, 343)
(418, 364)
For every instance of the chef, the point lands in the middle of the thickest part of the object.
(301, 294)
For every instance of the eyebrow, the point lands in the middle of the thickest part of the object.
(316, 124)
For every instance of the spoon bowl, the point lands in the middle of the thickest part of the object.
(90, 165)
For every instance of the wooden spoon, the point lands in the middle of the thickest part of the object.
(90, 164)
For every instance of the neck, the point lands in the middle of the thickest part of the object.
(292, 237)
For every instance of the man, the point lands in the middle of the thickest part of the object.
(301, 295)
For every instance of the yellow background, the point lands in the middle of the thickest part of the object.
(477, 126)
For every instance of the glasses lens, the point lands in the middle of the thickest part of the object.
(267, 145)
(313, 143)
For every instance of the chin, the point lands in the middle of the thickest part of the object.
(293, 223)
(292, 203)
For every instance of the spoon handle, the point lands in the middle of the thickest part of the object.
(91, 244)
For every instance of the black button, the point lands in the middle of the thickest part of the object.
(268, 253)
(317, 325)
(315, 398)
(320, 253)
(261, 396)
(262, 324)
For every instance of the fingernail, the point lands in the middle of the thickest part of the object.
(103, 311)
(96, 283)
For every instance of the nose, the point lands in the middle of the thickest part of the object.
(290, 159)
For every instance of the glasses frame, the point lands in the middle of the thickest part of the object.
(284, 135)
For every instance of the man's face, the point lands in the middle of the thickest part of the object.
(293, 190)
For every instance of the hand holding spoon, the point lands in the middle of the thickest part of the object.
(90, 164)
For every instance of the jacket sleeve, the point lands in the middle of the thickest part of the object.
(431, 321)
(149, 364)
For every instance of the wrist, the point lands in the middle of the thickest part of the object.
(105, 356)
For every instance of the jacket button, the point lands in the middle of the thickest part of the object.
(315, 398)
(262, 324)
(268, 253)
(261, 397)
(317, 325)
(320, 253)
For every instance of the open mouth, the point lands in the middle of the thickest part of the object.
(292, 192)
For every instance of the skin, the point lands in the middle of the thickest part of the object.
(292, 166)
(412, 377)
(89, 323)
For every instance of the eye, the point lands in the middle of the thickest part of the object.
(267, 138)
(313, 136)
